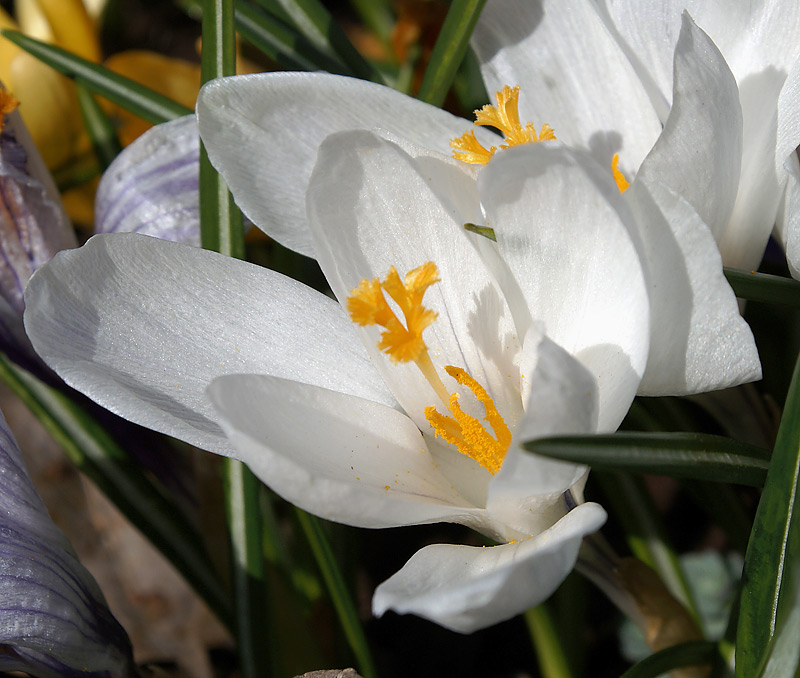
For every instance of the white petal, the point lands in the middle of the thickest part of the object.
(465, 588)
(151, 187)
(788, 133)
(562, 228)
(787, 225)
(573, 76)
(699, 341)
(561, 398)
(338, 456)
(699, 153)
(372, 206)
(142, 326)
(262, 133)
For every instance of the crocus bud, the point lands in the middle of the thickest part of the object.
(33, 224)
(54, 621)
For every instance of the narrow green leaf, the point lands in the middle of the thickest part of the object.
(685, 654)
(278, 41)
(138, 99)
(315, 22)
(550, 653)
(771, 560)
(249, 570)
(340, 595)
(99, 128)
(633, 507)
(449, 50)
(221, 231)
(771, 289)
(108, 466)
(783, 657)
(684, 455)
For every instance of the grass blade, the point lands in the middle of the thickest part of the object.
(278, 41)
(549, 650)
(684, 455)
(771, 561)
(449, 50)
(317, 25)
(337, 588)
(108, 466)
(138, 99)
(99, 128)
(771, 289)
(221, 231)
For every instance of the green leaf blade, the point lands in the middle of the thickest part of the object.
(449, 50)
(774, 548)
(685, 654)
(138, 99)
(683, 455)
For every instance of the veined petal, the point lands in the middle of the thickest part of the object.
(568, 239)
(372, 206)
(54, 621)
(151, 187)
(698, 340)
(699, 153)
(285, 117)
(338, 456)
(573, 74)
(466, 588)
(142, 326)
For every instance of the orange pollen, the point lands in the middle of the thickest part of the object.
(466, 432)
(8, 104)
(619, 177)
(505, 117)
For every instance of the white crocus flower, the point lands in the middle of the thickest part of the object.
(547, 332)
(407, 407)
(603, 69)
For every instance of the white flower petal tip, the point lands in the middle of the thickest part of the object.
(152, 186)
(699, 340)
(285, 117)
(466, 588)
(54, 621)
(338, 456)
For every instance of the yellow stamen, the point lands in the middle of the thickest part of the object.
(619, 177)
(8, 104)
(367, 305)
(505, 117)
(466, 432)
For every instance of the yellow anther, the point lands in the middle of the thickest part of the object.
(466, 432)
(619, 177)
(367, 305)
(8, 104)
(505, 117)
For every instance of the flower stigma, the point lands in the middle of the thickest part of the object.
(367, 305)
(505, 117)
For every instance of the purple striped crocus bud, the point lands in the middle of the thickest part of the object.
(33, 224)
(152, 186)
(54, 621)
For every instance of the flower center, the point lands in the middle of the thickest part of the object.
(367, 305)
(505, 117)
